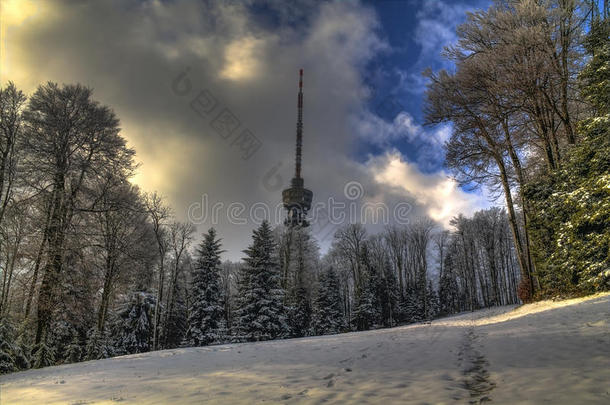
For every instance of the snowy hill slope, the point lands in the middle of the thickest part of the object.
(548, 352)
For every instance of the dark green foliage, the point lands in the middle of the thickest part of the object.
(366, 313)
(432, 303)
(571, 228)
(43, 355)
(7, 346)
(176, 320)
(13, 356)
(299, 313)
(133, 328)
(386, 294)
(411, 306)
(260, 313)
(448, 294)
(74, 351)
(98, 345)
(206, 319)
(328, 315)
(62, 333)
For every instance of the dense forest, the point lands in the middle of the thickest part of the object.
(93, 267)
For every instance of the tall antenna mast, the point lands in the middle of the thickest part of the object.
(299, 126)
(296, 198)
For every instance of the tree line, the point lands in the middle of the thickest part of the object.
(92, 266)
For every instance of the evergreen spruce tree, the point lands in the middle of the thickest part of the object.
(365, 313)
(297, 280)
(43, 355)
(571, 228)
(74, 351)
(60, 336)
(13, 357)
(389, 297)
(448, 293)
(328, 308)
(98, 345)
(7, 359)
(176, 321)
(133, 328)
(299, 313)
(206, 319)
(411, 306)
(261, 313)
(432, 305)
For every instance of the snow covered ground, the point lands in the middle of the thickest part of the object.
(548, 352)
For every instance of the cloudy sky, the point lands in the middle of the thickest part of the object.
(195, 83)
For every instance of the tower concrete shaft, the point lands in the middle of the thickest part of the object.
(297, 199)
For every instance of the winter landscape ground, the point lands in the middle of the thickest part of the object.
(555, 352)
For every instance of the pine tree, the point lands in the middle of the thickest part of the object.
(98, 345)
(299, 313)
(411, 306)
(389, 297)
(260, 313)
(206, 319)
(177, 322)
(43, 355)
(133, 328)
(432, 304)
(571, 228)
(74, 351)
(60, 336)
(366, 312)
(328, 308)
(7, 360)
(13, 351)
(448, 293)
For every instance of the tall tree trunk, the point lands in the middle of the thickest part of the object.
(158, 302)
(512, 219)
(30, 296)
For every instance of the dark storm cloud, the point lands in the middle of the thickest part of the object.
(235, 60)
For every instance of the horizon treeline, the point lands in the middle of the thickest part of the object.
(93, 267)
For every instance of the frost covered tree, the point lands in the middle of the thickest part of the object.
(448, 293)
(12, 356)
(432, 307)
(261, 312)
(74, 351)
(298, 286)
(571, 232)
(299, 312)
(98, 345)
(176, 322)
(133, 329)
(180, 237)
(43, 355)
(328, 307)
(366, 312)
(206, 322)
(71, 143)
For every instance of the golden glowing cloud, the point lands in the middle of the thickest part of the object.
(241, 61)
(14, 13)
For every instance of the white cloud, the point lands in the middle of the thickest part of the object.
(374, 129)
(440, 195)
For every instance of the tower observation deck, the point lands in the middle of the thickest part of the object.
(297, 199)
